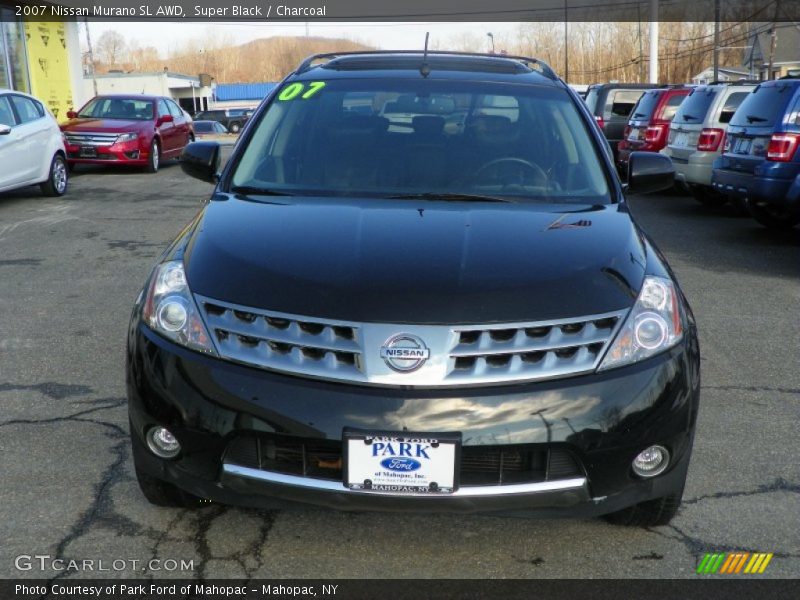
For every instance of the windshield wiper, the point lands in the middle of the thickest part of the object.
(640, 114)
(692, 117)
(446, 196)
(258, 191)
(755, 119)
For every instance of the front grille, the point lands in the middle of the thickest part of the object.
(480, 465)
(462, 355)
(530, 351)
(90, 138)
(315, 347)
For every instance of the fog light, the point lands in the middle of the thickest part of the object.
(162, 443)
(651, 461)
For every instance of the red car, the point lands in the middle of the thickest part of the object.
(127, 130)
(648, 127)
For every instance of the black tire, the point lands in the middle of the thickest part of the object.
(161, 493)
(708, 196)
(155, 157)
(648, 514)
(57, 178)
(772, 216)
(235, 127)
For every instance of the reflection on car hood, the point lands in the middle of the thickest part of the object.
(106, 125)
(416, 261)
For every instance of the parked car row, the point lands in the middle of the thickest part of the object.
(733, 142)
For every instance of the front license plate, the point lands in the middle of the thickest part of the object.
(87, 152)
(401, 463)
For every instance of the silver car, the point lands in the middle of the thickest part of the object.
(697, 135)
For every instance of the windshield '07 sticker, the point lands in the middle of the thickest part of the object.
(299, 90)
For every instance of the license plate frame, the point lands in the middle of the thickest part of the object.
(743, 146)
(366, 472)
(87, 152)
(633, 135)
(682, 139)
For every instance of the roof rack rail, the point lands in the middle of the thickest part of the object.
(737, 82)
(546, 70)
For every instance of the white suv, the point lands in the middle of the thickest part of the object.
(31, 145)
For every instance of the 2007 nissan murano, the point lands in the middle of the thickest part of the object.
(417, 286)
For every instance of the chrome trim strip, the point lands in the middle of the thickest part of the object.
(326, 485)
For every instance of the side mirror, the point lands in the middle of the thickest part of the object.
(71, 114)
(201, 160)
(4, 129)
(164, 119)
(649, 172)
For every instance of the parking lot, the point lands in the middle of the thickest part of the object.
(70, 269)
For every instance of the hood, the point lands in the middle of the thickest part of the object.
(104, 125)
(416, 262)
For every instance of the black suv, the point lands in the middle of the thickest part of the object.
(612, 104)
(233, 119)
(417, 286)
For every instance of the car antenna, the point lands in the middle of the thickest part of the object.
(425, 68)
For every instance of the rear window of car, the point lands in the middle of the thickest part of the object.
(620, 103)
(384, 137)
(203, 127)
(764, 106)
(732, 102)
(694, 107)
(646, 105)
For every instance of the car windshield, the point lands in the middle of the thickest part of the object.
(203, 126)
(694, 107)
(763, 106)
(423, 138)
(134, 109)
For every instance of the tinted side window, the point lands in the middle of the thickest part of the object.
(671, 106)
(163, 109)
(26, 109)
(732, 102)
(174, 109)
(6, 114)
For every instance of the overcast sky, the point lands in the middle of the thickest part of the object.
(390, 36)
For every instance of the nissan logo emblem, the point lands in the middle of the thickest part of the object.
(404, 352)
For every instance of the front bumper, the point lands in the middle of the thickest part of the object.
(121, 154)
(603, 420)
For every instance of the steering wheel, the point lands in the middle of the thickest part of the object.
(518, 167)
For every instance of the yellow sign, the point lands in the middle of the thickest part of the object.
(48, 65)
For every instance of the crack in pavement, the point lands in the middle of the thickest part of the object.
(51, 389)
(752, 388)
(779, 485)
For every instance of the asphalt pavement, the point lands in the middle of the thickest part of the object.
(70, 269)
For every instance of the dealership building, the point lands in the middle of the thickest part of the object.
(42, 58)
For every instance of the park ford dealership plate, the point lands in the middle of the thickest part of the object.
(401, 463)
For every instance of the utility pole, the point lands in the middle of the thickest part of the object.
(773, 39)
(91, 55)
(566, 43)
(716, 39)
(641, 54)
(653, 41)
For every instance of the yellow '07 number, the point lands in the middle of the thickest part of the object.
(295, 90)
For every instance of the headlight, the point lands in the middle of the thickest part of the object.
(170, 309)
(127, 137)
(653, 325)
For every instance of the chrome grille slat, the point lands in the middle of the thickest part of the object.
(91, 139)
(460, 355)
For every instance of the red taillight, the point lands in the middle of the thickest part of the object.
(710, 139)
(600, 122)
(654, 133)
(782, 146)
